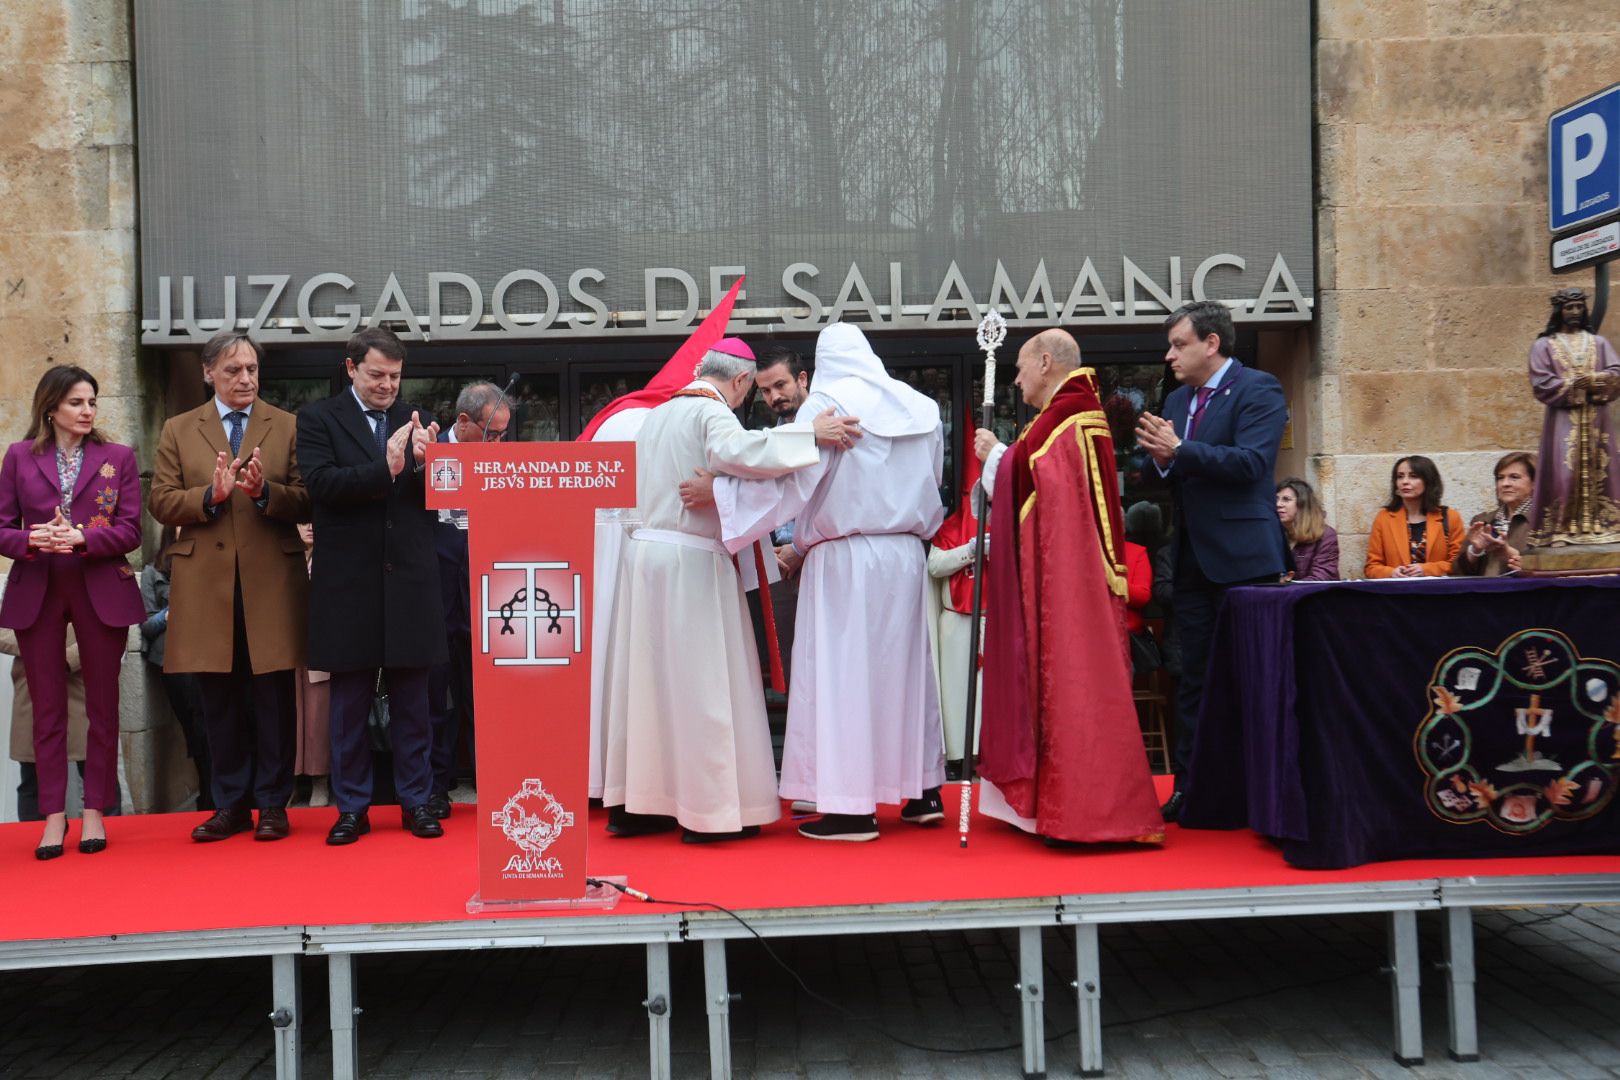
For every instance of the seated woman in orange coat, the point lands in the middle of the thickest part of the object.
(1415, 534)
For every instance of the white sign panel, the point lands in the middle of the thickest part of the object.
(1585, 248)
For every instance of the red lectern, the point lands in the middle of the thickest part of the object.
(531, 511)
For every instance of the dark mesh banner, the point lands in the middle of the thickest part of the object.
(557, 161)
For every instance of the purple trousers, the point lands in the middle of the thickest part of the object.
(44, 655)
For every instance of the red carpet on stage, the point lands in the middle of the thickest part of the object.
(153, 878)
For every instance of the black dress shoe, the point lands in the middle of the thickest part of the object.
(623, 823)
(348, 828)
(420, 820)
(439, 806)
(92, 846)
(692, 836)
(223, 824)
(272, 824)
(1172, 806)
(48, 851)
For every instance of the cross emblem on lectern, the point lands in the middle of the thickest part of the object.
(525, 601)
(446, 475)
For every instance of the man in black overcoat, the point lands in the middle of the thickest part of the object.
(374, 591)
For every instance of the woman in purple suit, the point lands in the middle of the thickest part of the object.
(70, 507)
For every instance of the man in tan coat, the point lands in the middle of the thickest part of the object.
(226, 476)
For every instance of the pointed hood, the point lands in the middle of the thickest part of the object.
(849, 372)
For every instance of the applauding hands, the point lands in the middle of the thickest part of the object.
(232, 474)
(1483, 541)
(412, 439)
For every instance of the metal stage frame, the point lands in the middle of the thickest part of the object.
(1454, 899)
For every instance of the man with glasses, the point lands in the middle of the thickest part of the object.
(482, 415)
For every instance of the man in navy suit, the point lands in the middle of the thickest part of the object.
(482, 415)
(374, 587)
(1217, 442)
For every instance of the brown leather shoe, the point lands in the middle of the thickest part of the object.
(272, 824)
(222, 825)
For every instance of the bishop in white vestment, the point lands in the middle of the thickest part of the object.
(863, 715)
(612, 527)
(684, 708)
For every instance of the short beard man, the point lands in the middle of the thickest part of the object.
(783, 381)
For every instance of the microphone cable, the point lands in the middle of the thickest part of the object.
(842, 1010)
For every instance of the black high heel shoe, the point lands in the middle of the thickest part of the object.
(90, 845)
(46, 852)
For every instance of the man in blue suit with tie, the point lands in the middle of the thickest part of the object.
(1217, 442)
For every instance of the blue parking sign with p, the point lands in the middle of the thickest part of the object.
(1583, 161)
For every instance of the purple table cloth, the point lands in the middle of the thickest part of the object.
(1362, 721)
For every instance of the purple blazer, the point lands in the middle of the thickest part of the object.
(106, 507)
(1318, 561)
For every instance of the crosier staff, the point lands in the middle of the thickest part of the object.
(992, 332)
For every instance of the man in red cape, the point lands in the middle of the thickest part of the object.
(1061, 751)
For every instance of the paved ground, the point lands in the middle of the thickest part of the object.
(1259, 997)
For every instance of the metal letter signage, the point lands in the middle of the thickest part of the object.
(525, 303)
(1583, 161)
(530, 531)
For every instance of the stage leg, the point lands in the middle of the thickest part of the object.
(1404, 979)
(1032, 992)
(1459, 964)
(345, 1044)
(1088, 989)
(287, 1014)
(719, 996)
(657, 1004)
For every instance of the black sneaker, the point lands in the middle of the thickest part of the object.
(851, 827)
(924, 811)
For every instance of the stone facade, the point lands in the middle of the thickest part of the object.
(68, 274)
(1432, 234)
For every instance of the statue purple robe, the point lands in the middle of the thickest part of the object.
(1576, 375)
